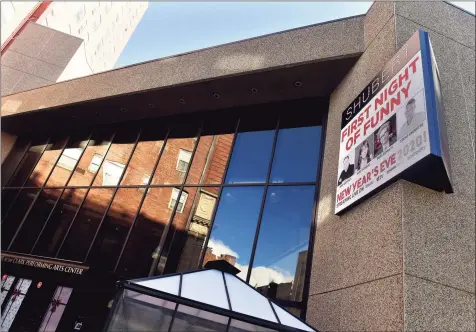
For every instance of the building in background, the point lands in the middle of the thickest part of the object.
(48, 42)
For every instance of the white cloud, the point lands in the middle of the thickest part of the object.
(262, 276)
(219, 248)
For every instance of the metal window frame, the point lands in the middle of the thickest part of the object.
(302, 305)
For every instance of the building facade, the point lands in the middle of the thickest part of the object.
(231, 153)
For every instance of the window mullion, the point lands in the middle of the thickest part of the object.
(263, 200)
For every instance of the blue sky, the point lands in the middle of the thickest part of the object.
(169, 28)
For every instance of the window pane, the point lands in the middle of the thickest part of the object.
(296, 155)
(97, 147)
(250, 158)
(238, 209)
(193, 319)
(190, 246)
(144, 158)
(8, 198)
(67, 162)
(27, 163)
(239, 326)
(59, 222)
(142, 247)
(210, 159)
(115, 161)
(85, 224)
(189, 229)
(55, 310)
(46, 162)
(16, 214)
(35, 221)
(280, 258)
(14, 158)
(14, 303)
(114, 228)
(7, 282)
(174, 161)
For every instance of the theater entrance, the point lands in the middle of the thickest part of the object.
(36, 294)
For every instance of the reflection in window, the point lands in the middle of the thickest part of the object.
(144, 158)
(59, 222)
(86, 224)
(55, 310)
(8, 198)
(13, 159)
(142, 247)
(35, 221)
(116, 158)
(169, 169)
(46, 163)
(238, 209)
(7, 282)
(14, 303)
(67, 162)
(95, 163)
(114, 229)
(183, 160)
(182, 200)
(250, 157)
(14, 217)
(296, 155)
(27, 163)
(283, 241)
(88, 165)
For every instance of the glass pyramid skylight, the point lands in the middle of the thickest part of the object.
(204, 300)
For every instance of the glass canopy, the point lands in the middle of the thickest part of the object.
(213, 299)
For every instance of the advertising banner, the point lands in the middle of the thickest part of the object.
(390, 126)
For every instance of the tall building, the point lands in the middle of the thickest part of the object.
(48, 42)
(315, 160)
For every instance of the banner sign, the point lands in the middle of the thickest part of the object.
(395, 127)
(44, 264)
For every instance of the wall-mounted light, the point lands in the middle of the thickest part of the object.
(182, 101)
(254, 90)
(151, 105)
(297, 84)
(216, 95)
(123, 110)
(98, 114)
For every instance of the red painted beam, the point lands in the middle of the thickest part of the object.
(33, 16)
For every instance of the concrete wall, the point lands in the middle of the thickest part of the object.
(403, 259)
(36, 58)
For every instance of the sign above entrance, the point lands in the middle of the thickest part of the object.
(395, 129)
(44, 264)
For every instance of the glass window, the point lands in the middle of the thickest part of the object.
(178, 233)
(8, 198)
(210, 159)
(14, 303)
(67, 162)
(86, 224)
(14, 217)
(182, 200)
(175, 159)
(250, 158)
(7, 282)
(114, 163)
(193, 319)
(144, 158)
(97, 146)
(234, 227)
(296, 155)
(27, 163)
(283, 242)
(46, 163)
(59, 222)
(95, 163)
(142, 247)
(35, 221)
(183, 160)
(239, 326)
(114, 229)
(55, 311)
(13, 159)
(190, 246)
